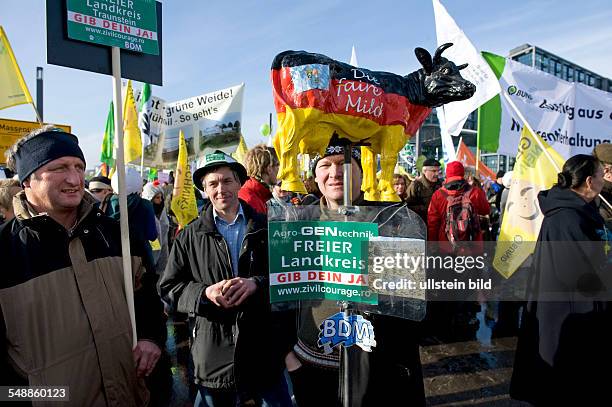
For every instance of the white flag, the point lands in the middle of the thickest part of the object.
(448, 148)
(478, 71)
(354, 58)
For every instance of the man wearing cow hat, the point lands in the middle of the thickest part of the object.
(63, 314)
(217, 273)
(394, 363)
(604, 153)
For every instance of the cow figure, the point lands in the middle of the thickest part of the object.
(316, 96)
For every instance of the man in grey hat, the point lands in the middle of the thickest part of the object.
(217, 273)
(420, 191)
(604, 153)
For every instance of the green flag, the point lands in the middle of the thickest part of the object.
(152, 174)
(107, 155)
(144, 114)
(489, 114)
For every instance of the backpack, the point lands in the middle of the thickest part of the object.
(462, 223)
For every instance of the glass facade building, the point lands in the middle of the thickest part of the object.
(555, 65)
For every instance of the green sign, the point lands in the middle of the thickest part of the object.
(127, 24)
(320, 260)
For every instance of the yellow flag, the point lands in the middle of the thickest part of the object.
(13, 89)
(132, 143)
(241, 151)
(183, 199)
(533, 172)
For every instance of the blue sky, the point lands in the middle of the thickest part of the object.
(210, 45)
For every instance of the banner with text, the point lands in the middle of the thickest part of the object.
(320, 260)
(571, 117)
(13, 130)
(125, 24)
(209, 122)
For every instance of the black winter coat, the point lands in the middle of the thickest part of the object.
(63, 313)
(566, 331)
(235, 349)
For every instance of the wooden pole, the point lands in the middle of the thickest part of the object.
(123, 209)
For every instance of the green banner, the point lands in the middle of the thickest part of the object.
(127, 24)
(312, 260)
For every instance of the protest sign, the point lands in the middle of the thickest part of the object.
(571, 117)
(320, 260)
(209, 122)
(13, 130)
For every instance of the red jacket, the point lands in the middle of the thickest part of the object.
(256, 195)
(436, 214)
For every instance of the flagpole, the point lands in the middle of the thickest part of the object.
(478, 145)
(120, 166)
(535, 136)
(142, 160)
(38, 118)
(605, 201)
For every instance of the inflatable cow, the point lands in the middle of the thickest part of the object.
(316, 96)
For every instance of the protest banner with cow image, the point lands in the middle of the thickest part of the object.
(316, 97)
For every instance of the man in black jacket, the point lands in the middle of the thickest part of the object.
(217, 273)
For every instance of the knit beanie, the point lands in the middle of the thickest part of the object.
(44, 148)
(454, 171)
(336, 147)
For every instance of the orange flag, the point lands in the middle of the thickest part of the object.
(467, 158)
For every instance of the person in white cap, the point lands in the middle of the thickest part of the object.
(101, 188)
(217, 273)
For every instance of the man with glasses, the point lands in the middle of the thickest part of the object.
(421, 190)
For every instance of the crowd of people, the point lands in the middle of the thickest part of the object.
(64, 318)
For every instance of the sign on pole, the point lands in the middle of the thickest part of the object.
(209, 122)
(13, 130)
(85, 55)
(126, 24)
(320, 260)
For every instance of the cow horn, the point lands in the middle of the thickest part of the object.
(462, 66)
(424, 58)
(439, 52)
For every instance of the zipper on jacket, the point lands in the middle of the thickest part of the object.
(103, 238)
(235, 323)
(229, 258)
(242, 251)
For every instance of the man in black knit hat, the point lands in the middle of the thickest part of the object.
(63, 314)
(394, 363)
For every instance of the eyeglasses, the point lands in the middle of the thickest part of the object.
(96, 190)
